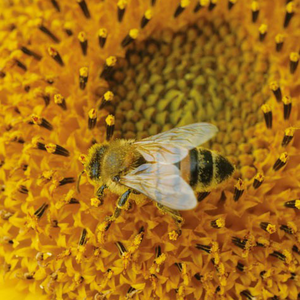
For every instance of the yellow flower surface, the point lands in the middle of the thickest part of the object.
(73, 71)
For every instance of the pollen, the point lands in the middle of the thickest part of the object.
(148, 14)
(102, 32)
(173, 235)
(270, 228)
(218, 223)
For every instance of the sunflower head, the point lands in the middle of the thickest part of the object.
(75, 75)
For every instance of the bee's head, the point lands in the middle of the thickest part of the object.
(92, 163)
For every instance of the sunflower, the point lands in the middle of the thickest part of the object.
(74, 73)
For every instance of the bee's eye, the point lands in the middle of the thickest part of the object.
(116, 178)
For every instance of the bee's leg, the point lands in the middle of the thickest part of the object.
(100, 192)
(120, 205)
(174, 214)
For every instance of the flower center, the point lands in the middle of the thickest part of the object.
(207, 72)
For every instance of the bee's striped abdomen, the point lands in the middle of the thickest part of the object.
(203, 169)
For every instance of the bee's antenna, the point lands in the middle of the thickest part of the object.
(78, 181)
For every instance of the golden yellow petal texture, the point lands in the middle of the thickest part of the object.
(81, 72)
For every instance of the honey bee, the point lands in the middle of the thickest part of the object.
(169, 168)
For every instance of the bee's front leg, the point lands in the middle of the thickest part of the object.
(120, 205)
(100, 192)
(174, 214)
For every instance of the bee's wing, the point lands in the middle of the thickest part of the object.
(162, 183)
(173, 145)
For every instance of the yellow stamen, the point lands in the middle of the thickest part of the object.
(290, 7)
(294, 56)
(84, 72)
(82, 158)
(173, 235)
(92, 114)
(102, 32)
(58, 99)
(185, 3)
(51, 148)
(110, 120)
(82, 36)
(134, 33)
(148, 14)
(255, 6)
(263, 28)
(122, 4)
(95, 202)
(279, 38)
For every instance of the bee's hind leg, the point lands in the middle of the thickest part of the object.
(174, 214)
(120, 206)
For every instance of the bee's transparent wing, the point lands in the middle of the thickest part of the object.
(162, 183)
(173, 145)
